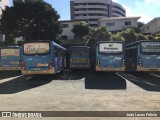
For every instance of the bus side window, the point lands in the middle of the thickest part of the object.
(55, 53)
(64, 54)
(60, 54)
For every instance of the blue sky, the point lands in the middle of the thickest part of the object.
(147, 9)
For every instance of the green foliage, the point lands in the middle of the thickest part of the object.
(140, 36)
(32, 19)
(150, 37)
(157, 38)
(140, 24)
(99, 34)
(157, 35)
(129, 35)
(80, 29)
(118, 37)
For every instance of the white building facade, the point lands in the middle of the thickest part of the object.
(67, 33)
(151, 27)
(93, 10)
(67, 36)
(116, 24)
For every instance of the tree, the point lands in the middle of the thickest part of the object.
(150, 37)
(140, 36)
(157, 36)
(80, 29)
(99, 34)
(118, 37)
(129, 35)
(32, 19)
(140, 24)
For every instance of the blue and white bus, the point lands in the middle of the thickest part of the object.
(10, 58)
(108, 56)
(42, 57)
(143, 56)
(79, 57)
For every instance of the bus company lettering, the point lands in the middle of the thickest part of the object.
(42, 65)
(105, 48)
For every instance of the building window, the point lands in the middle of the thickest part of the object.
(110, 24)
(65, 25)
(128, 23)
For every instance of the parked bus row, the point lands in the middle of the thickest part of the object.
(47, 57)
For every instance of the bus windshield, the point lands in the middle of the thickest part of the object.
(10, 52)
(79, 51)
(150, 47)
(110, 47)
(36, 48)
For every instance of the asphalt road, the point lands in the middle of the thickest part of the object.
(80, 91)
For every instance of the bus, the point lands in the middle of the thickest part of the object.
(79, 57)
(108, 56)
(9, 58)
(42, 57)
(143, 55)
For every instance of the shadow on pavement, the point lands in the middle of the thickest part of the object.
(109, 81)
(74, 74)
(8, 74)
(145, 81)
(21, 83)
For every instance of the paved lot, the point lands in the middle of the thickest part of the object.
(81, 91)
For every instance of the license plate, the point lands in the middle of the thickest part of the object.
(37, 68)
(80, 60)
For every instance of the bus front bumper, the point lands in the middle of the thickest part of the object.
(109, 69)
(147, 69)
(29, 72)
(79, 66)
(9, 68)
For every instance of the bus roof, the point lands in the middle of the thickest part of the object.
(46, 41)
(4, 47)
(138, 42)
(58, 45)
(107, 42)
(78, 47)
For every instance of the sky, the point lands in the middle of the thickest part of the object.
(147, 9)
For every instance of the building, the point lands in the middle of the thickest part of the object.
(117, 10)
(93, 10)
(151, 27)
(3, 3)
(67, 33)
(67, 36)
(116, 24)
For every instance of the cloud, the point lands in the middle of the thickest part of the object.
(151, 1)
(147, 9)
(131, 12)
(117, 1)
